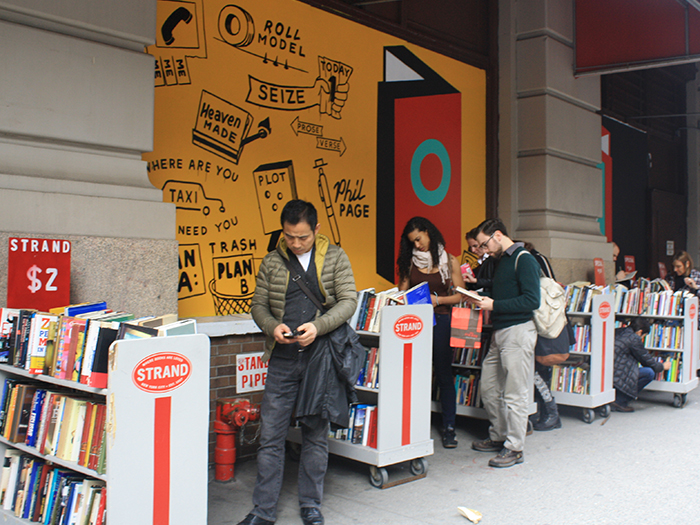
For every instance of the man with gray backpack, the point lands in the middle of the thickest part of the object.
(505, 375)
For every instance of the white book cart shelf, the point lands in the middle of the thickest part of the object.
(402, 398)
(599, 357)
(157, 430)
(686, 349)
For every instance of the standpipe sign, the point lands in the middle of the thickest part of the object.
(162, 372)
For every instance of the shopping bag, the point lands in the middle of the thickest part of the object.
(466, 328)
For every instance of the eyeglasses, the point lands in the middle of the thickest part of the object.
(485, 244)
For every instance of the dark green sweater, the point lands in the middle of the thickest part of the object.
(515, 294)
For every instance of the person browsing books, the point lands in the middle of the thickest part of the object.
(292, 324)
(505, 373)
(684, 276)
(422, 258)
(483, 278)
(628, 377)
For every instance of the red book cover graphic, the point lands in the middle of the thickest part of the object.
(419, 165)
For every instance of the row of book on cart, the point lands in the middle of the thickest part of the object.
(72, 342)
(35, 489)
(651, 297)
(54, 473)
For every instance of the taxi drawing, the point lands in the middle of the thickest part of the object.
(189, 196)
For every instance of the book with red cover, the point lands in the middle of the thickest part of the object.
(98, 436)
(101, 508)
(370, 312)
(372, 430)
(77, 343)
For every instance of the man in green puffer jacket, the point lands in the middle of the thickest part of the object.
(292, 323)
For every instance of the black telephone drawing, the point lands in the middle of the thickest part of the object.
(180, 14)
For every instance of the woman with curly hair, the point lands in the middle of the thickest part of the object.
(422, 258)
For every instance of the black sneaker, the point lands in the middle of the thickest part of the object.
(506, 458)
(449, 440)
(487, 445)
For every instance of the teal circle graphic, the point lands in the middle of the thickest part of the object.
(431, 197)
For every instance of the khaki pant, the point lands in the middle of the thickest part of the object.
(506, 383)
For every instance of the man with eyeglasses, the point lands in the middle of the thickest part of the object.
(505, 373)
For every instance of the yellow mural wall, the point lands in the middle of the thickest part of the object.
(258, 102)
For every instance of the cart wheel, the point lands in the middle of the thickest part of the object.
(679, 400)
(419, 466)
(588, 415)
(604, 411)
(378, 476)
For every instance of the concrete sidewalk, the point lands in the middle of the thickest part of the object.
(640, 467)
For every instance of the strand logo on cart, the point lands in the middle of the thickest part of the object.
(604, 310)
(162, 372)
(408, 326)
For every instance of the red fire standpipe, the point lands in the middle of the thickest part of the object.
(231, 416)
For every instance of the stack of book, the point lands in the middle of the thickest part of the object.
(579, 296)
(583, 339)
(665, 335)
(369, 374)
(37, 491)
(468, 391)
(367, 315)
(573, 379)
(72, 342)
(646, 301)
(54, 423)
(673, 374)
(469, 356)
(362, 429)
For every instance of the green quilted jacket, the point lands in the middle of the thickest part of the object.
(334, 276)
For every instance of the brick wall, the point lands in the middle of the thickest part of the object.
(223, 385)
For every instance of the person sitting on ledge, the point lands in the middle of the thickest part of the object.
(628, 377)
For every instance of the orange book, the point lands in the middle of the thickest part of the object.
(10, 412)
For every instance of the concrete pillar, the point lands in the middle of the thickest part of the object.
(551, 191)
(76, 114)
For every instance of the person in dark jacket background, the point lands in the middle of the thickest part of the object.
(628, 377)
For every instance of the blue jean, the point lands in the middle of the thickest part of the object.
(281, 388)
(442, 365)
(646, 376)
